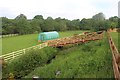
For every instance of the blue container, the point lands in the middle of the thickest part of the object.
(44, 36)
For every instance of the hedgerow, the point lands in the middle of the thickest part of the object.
(26, 63)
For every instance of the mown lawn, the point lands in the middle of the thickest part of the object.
(115, 36)
(11, 44)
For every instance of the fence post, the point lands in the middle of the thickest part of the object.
(13, 55)
(43, 45)
(40, 46)
(46, 44)
(24, 51)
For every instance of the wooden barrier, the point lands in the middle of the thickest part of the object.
(115, 57)
(12, 55)
(9, 35)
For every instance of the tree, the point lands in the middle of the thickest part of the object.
(119, 21)
(22, 25)
(114, 19)
(99, 16)
(113, 22)
(49, 18)
(118, 26)
(8, 26)
(99, 22)
(5, 24)
(48, 24)
(21, 16)
(60, 24)
(40, 17)
(35, 25)
(86, 24)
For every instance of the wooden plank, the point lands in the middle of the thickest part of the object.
(114, 53)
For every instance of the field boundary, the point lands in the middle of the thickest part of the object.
(9, 35)
(12, 55)
(115, 57)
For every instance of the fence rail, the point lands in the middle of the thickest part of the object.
(12, 55)
(115, 57)
(9, 35)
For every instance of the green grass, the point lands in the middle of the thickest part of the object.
(90, 60)
(115, 37)
(69, 33)
(11, 44)
(87, 60)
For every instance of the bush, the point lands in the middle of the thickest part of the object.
(28, 62)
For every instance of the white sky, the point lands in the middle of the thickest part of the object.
(69, 9)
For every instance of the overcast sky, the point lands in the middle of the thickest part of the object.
(69, 9)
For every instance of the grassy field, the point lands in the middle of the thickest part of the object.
(11, 44)
(85, 60)
(115, 37)
(69, 33)
(90, 60)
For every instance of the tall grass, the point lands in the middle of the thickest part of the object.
(89, 60)
(116, 37)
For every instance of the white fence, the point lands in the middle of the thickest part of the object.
(12, 55)
(9, 35)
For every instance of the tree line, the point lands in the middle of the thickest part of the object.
(22, 25)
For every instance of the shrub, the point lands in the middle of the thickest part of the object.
(28, 62)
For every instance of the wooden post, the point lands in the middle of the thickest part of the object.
(13, 55)
(39, 46)
(24, 51)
